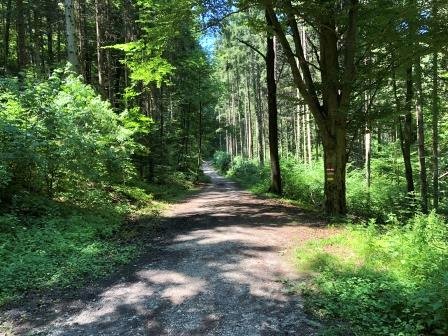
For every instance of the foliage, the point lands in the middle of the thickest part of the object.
(57, 251)
(45, 244)
(304, 183)
(59, 137)
(373, 282)
(222, 160)
(67, 183)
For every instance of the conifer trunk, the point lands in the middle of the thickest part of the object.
(276, 184)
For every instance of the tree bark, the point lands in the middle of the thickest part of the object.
(405, 133)
(258, 113)
(276, 183)
(368, 155)
(50, 21)
(335, 161)
(70, 32)
(435, 130)
(421, 139)
(99, 50)
(6, 34)
(200, 135)
(21, 46)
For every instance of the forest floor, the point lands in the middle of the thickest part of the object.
(220, 264)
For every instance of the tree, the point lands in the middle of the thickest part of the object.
(330, 107)
(276, 181)
(21, 39)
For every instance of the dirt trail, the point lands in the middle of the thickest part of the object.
(216, 270)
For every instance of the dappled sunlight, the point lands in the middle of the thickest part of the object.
(179, 287)
(122, 294)
(217, 267)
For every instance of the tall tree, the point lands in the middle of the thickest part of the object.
(21, 38)
(421, 138)
(330, 104)
(276, 181)
(435, 110)
(6, 33)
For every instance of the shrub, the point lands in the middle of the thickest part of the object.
(59, 136)
(221, 161)
(303, 182)
(249, 174)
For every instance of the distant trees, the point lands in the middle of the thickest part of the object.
(365, 82)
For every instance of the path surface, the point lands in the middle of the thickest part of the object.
(217, 270)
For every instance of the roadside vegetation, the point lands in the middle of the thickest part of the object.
(73, 206)
(370, 280)
(385, 272)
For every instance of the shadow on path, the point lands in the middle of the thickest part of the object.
(215, 269)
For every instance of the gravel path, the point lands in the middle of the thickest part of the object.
(218, 269)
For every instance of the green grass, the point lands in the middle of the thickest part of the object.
(371, 282)
(45, 244)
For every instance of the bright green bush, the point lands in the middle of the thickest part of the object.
(59, 136)
(67, 183)
(381, 283)
(221, 161)
(302, 182)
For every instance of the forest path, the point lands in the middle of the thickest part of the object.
(216, 270)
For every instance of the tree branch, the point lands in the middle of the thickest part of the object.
(252, 47)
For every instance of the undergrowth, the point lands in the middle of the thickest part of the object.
(385, 276)
(60, 244)
(373, 282)
(303, 184)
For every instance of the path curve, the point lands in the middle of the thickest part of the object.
(217, 270)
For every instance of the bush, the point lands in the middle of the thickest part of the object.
(304, 183)
(221, 160)
(59, 136)
(249, 174)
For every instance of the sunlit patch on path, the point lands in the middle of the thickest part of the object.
(216, 270)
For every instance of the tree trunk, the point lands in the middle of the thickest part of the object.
(335, 161)
(276, 183)
(6, 34)
(435, 130)
(99, 41)
(200, 139)
(50, 22)
(308, 137)
(406, 133)
(70, 32)
(84, 50)
(368, 155)
(21, 47)
(421, 139)
(258, 115)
